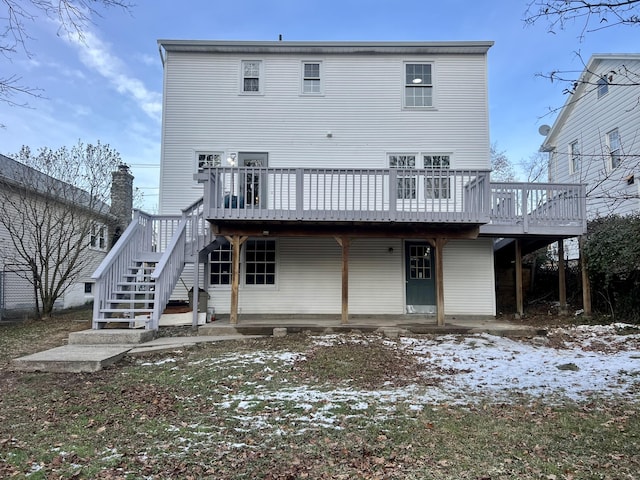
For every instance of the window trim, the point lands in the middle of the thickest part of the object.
(260, 77)
(303, 78)
(617, 150)
(226, 247)
(574, 157)
(430, 86)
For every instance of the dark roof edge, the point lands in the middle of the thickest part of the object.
(226, 46)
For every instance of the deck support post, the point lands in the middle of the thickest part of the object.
(345, 243)
(586, 284)
(438, 252)
(236, 242)
(562, 279)
(519, 293)
(195, 295)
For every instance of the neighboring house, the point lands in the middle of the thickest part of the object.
(596, 137)
(328, 178)
(22, 187)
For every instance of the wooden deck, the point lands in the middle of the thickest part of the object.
(451, 199)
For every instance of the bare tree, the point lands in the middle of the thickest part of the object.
(72, 17)
(53, 205)
(536, 167)
(594, 15)
(501, 167)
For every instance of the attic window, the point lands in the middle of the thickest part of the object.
(603, 87)
(251, 76)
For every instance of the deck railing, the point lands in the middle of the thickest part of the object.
(117, 262)
(526, 207)
(363, 195)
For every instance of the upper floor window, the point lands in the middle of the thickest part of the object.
(311, 79)
(603, 86)
(406, 183)
(574, 157)
(208, 159)
(252, 76)
(98, 237)
(615, 148)
(418, 85)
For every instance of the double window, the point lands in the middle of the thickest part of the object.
(98, 237)
(259, 263)
(418, 85)
(615, 148)
(436, 178)
(252, 77)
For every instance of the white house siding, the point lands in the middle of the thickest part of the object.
(309, 280)
(469, 285)
(361, 107)
(588, 120)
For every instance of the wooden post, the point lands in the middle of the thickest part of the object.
(236, 242)
(562, 281)
(344, 242)
(195, 296)
(519, 296)
(439, 254)
(586, 284)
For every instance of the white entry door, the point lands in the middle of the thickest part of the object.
(253, 185)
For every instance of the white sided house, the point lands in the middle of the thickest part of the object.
(327, 178)
(31, 199)
(596, 137)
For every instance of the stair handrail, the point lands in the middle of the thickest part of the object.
(115, 263)
(168, 270)
(200, 233)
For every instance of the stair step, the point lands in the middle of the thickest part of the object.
(130, 300)
(126, 310)
(133, 292)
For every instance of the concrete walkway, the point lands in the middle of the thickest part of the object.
(93, 350)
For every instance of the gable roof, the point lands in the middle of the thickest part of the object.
(583, 82)
(19, 174)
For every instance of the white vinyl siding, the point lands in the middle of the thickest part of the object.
(469, 287)
(201, 108)
(589, 120)
(310, 280)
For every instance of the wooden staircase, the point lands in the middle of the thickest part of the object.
(135, 281)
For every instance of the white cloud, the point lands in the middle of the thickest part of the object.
(97, 55)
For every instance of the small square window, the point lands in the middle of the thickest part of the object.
(88, 287)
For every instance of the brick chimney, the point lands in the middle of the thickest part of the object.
(121, 201)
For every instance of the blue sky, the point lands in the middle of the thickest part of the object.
(110, 87)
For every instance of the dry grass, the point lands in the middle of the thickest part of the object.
(186, 415)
